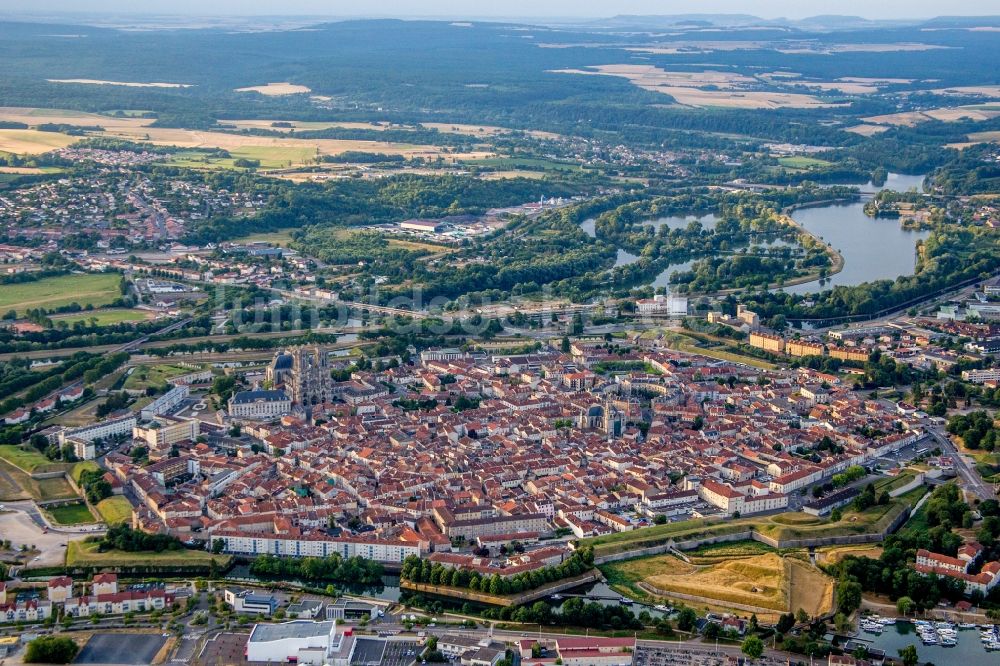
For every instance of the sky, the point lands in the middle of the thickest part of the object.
(512, 8)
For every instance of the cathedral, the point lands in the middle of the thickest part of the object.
(304, 372)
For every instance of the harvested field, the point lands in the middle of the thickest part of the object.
(273, 152)
(867, 130)
(984, 91)
(127, 84)
(944, 114)
(686, 87)
(34, 116)
(276, 89)
(32, 142)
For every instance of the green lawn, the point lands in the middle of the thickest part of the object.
(115, 510)
(80, 553)
(95, 289)
(145, 376)
(81, 467)
(104, 317)
(71, 514)
(270, 157)
(28, 459)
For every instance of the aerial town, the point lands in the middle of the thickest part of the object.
(572, 334)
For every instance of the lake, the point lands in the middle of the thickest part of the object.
(897, 182)
(873, 249)
(968, 652)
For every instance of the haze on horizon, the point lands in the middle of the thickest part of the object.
(793, 9)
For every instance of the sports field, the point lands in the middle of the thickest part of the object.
(86, 289)
(105, 317)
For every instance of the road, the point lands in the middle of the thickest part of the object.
(970, 477)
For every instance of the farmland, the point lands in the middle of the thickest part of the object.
(703, 89)
(32, 142)
(276, 89)
(94, 289)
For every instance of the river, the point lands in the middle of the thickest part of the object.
(968, 652)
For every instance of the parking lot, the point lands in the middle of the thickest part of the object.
(126, 649)
(397, 653)
(223, 649)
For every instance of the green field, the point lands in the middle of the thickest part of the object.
(80, 553)
(81, 467)
(28, 459)
(115, 510)
(104, 317)
(802, 162)
(71, 514)
(144, 376)
(87, 289)
(524, 163)
(270, 157)
(282, 238)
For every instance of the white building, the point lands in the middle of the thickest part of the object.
(259, 404)
(249, 543)
(981, 376)
(302, 642)
(166, 402)
(102, 430)
(673, 306)
(167, 432)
